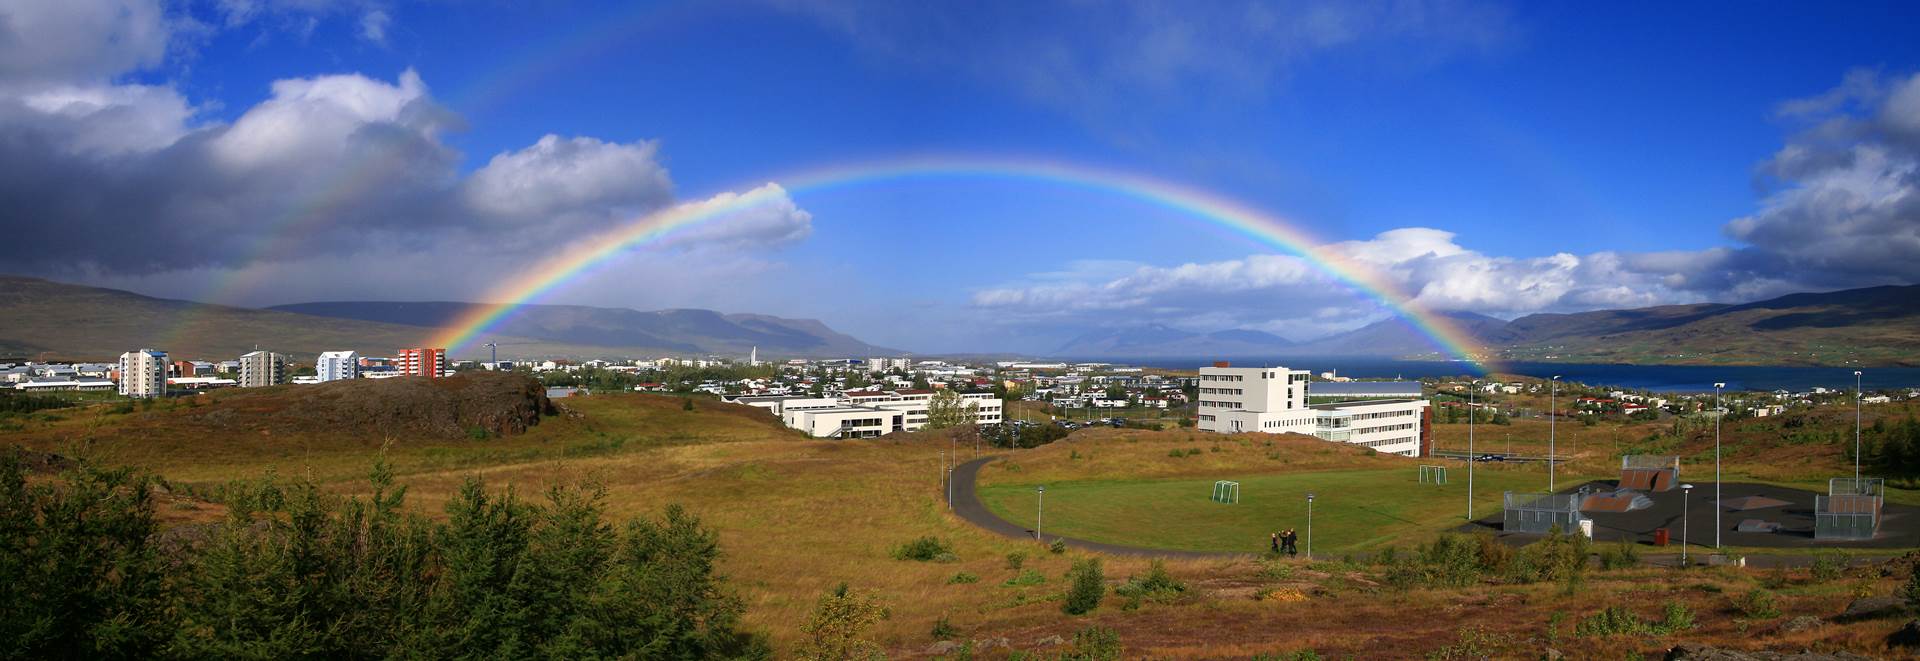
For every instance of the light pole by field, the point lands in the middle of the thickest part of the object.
(1309, 525)
(1471, 457)
(1856, 427)
(1040, 508)
(1553, 429)
(1686, 491)
(1718, 413)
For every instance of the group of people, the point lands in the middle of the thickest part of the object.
(1285, 542)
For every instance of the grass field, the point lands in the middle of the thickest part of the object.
(1353, 510)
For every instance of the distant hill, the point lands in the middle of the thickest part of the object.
(1870, 326)
(1397, 337)
(1155, 340)
(686, 331)
(45, 320)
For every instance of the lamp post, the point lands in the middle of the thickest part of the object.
(1040, 507)
(1309, 525)
(1856, 428)
(1471, 457)
(1553, 428)
(1685, 491)
(1717, 414)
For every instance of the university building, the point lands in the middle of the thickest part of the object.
(1273, 400)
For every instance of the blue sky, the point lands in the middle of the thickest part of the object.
(1499, 158)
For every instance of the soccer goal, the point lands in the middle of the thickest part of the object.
(1433, 474)
(1226, 491)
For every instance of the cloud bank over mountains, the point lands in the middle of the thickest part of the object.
(1842, 210)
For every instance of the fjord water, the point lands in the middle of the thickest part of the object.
(1662, 378)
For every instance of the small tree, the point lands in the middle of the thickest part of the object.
(833, 631)
(947, 409)
(1911, 591)
(1086, 586)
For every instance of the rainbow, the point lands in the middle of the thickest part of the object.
(557, 271)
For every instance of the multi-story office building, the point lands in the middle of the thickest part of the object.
(1273, 400)
(143, 373)
(259, 369)
(430, 363)
(864, 414)
(337, 366)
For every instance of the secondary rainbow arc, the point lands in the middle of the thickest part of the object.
(555, 272)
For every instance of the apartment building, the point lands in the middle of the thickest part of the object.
(337, 366)
(259, 369)
(888, 411)
(430, 363)
(143, 373)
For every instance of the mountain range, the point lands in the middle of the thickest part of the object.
(45, 320)
(1869, 326)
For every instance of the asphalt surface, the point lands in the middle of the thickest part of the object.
(1899, 524)
(967, 505)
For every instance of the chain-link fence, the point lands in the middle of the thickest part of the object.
(1542, 512)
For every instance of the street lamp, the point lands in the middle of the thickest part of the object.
(1553, 428)
(1718, 413)
(1040, 507)
(1856, 427)
(1471, 457)
(1685, 491)
(1309, 525)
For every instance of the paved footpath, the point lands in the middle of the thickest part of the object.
(966, 504)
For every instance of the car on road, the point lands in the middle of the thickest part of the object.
(1491, 457)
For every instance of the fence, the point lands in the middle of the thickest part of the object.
(1850, 510)
(1542, 512)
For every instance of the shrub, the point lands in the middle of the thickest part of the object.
(962, 578)
(1157, 586)
(1095, 643)
(1058, 546)
(479, 433)
(1911, 591)
(1758, 604)
(1473, 643)
(1086, 586)
(943, 629)
(686, 404)
(1827, 567)
(1026, 577)
(1620, 556)
(923, 549)
(1016, 559)
(834, 629)
(1296, 655)
(1176, 453)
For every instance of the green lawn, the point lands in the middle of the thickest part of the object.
(1354, 510)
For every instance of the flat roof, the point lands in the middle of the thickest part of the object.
(1365, 402)
(1392, 388)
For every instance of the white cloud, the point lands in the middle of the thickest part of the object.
(373, 26)
(557, 174)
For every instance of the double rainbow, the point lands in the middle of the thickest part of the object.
(564, 268)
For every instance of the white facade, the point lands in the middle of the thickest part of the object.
(337, 366)
(1273, 400)
(259, 369)
(904, 410)
(884, 364)
(844, 421)
(143, 373)
(1240, 399)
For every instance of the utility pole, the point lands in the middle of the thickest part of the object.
(1857, 398)
(1553, 429)
(1309, 525)
(1040, 508)
(1718, 413)
(1472, 458)
(1686, 500)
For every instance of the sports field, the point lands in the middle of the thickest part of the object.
(1353, 510)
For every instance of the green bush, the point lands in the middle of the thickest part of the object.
(1086, 587)
(962, 578)
(924, 549)
(1058, 546)
(1911, 591)
(1757, 604)
(1827, 567)
(1623, 555)
(1016, 559)
(1176, 453)
(1157, 586)
(1617, 620)
(943, 629)
(1095, 643)
(1026, 577)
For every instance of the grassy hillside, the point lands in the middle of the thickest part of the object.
(797, 517)
(54, 321)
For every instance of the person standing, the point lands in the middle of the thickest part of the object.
(1288, 540)
(1276, 542)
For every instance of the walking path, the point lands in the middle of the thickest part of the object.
(966, 504)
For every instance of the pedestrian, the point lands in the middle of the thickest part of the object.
(1287, 541)
(1276, 543)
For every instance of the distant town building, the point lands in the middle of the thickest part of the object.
(143, 373)
(430, 363)
(337, 366)
(259, 369)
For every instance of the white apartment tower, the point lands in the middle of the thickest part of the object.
(143, 373)
(1238, 399)
(337, 366)
(259, 369)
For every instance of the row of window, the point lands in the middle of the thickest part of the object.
(1391, 441)
(1222, 377)
(1382, 428)
(1220, 405)
(1385, 414)
(1223, 391)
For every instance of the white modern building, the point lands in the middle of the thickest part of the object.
(337, 366)
(259, 369)
(886, 364)
(844, 421)
(143, 373)
(1273, 400)
(867, 413)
